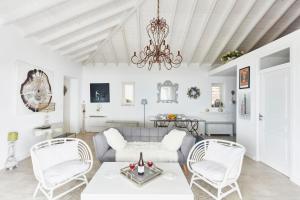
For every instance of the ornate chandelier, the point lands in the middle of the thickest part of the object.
(157, 51)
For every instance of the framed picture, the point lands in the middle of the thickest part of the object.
(244, 77)
(245, 105)
(99, 93)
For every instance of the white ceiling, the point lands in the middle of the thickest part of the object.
(111, 30)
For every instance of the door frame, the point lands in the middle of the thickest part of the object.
(260, 128)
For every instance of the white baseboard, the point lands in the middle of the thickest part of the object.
(295, 180)
(251, 156)
(20, 158)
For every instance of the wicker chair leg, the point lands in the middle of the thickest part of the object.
(219, 194)
(238, 190)
(85, 179)
(192, 181)
(36, 190)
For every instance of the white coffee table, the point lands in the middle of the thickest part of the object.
(109, 184)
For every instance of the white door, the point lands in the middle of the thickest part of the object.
(67, 109)
(274, 120)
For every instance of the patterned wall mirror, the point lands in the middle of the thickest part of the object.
(167, 92)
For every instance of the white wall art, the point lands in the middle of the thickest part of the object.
(244, 105)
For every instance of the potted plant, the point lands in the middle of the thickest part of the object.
(231, 55)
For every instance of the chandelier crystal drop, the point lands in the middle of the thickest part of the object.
(157, 51)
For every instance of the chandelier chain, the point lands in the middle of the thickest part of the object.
(157, 9)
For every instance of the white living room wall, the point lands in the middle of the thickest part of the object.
(146, 87)
(248, 130)
(15, 48)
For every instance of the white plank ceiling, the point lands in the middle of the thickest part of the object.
(109, 31)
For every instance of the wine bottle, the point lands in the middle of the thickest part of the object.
(141, 165)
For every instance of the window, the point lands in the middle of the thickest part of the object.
(128, 94)
(216, 95)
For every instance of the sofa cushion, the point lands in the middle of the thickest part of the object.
(140, 134)
(115, 139)
(173, 140)
(211, 170)
(63, 171)
(154, 151)
(226, 155)
(58, 153)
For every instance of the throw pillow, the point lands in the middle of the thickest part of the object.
(173, 140)
(114, 139)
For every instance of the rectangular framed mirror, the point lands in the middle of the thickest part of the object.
(128, 93)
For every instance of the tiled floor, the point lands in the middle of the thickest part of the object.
(257, 182)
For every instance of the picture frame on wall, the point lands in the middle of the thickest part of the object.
(244, 78)
(245, 105)
(99, 93)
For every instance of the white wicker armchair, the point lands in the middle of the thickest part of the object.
(218, 163)
(57, 162)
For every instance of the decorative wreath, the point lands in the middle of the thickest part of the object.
(193, 92)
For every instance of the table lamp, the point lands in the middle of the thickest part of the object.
(144, 102)
(12, 136)
(11, 161)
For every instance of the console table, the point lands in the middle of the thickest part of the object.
(190, 125)
(123, 123)
(56, 128)
(220, 122)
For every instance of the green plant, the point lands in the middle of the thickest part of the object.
(230, 55)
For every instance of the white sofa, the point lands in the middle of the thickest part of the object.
(105, 153)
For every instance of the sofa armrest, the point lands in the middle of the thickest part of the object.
(101, 145)
(187, 144)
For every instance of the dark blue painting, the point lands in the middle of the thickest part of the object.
(99, 92)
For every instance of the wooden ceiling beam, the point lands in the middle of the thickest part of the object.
(90, 40)
(194, 46)
(138, 21)
(227, 36)
(213, 35)
(114, 51)
(245, 28)
(87, 54)
(76, 40)
(269, 19)
(94, 27)
(281, 25)
(102, 55)
(68, 20)
(73, 27)
(29, 12)
(84, 52)
(128, 15)
(189, 22)
(126, 44)
(82, 45)
(174, 11)
(81, 60)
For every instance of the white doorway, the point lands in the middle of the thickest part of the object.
(71, 107)
(67, 109)
(275, 117)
